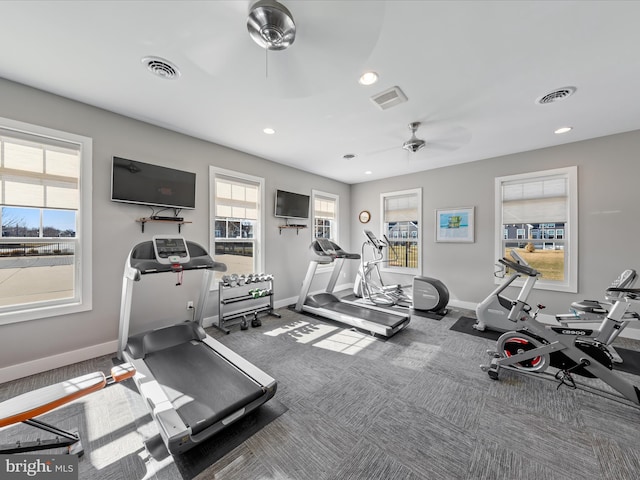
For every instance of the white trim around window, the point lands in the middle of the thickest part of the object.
(81, 299)
(332, 216)
(258, 239)
(550, 195)
(406, 214)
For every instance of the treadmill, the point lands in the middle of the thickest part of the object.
(192, 384)
(376, 320)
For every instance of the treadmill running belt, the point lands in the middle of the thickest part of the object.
(369, 314)
(203, 387)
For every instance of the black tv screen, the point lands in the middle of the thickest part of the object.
(291, 205)
(146, 184)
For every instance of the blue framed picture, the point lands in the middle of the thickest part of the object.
(455, 225)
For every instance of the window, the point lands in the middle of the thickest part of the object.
(325, 215)
(45, 202)
(544, 204)
(237, 214)
(401, 216)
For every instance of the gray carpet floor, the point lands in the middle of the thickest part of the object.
(416, 406)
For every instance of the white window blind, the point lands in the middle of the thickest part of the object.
(236, 198)
(401, 208)
(39, 175)
(540, 200)
(325, 208)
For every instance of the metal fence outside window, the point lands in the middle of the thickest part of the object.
(243, 249)
(13, 247)
(406, 253)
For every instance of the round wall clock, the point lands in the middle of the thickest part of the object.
(364, 216)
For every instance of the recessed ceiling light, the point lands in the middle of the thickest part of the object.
(368, 172)
(269, 131)
(368, 78)
(563, 130)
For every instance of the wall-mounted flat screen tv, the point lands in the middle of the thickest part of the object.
(291, 205)
(146, 184)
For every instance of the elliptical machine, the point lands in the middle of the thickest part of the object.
(428, 294)
(534, 346)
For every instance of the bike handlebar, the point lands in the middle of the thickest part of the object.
(632, 293)
(524, 269)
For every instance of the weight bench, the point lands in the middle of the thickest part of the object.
(24, 408)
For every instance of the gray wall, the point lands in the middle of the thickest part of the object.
(115, 230)
(608, 199)
(608, 203)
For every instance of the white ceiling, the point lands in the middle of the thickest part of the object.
(472, 72)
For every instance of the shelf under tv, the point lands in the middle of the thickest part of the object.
(144, 220)
(297, 227)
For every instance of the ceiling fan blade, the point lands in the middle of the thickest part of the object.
(447, 139)
(329, 45)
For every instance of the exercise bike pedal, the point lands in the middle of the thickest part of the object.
(491, 370)
(493, 354)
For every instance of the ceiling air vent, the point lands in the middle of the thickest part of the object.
(161, 67)
(556, 95)
(389, 98)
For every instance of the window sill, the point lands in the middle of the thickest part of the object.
(46, 311)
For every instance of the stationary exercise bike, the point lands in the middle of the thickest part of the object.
(428, 294)
(594, 311)
(492, 313)
(535, 346)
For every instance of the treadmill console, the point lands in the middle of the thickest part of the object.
(171, 250)
(326, 247)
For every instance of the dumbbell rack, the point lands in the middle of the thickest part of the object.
(232, 293)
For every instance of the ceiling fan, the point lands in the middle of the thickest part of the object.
(443, 137)
(271, 25)
(414, 143)
(304, 58)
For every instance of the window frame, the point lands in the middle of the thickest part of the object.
(82, 300)
(420, 230)
(329, 196)
(259, 236)
(570, 240)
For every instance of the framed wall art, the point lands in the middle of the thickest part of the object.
(455, 225)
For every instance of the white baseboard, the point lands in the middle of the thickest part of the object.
(56, 361)
(461, 304)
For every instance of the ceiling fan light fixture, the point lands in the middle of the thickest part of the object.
(271, 25)
(414, 143)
